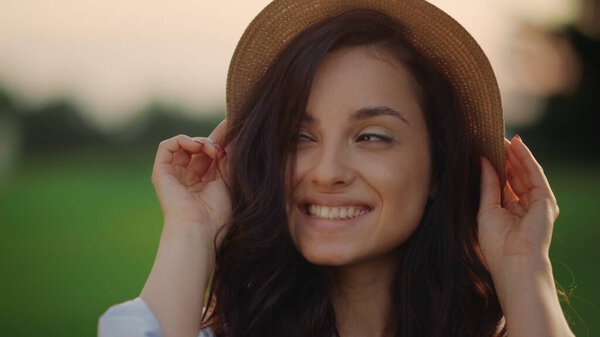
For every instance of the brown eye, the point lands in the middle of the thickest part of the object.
(373, 137)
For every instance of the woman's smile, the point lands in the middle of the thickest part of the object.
(335, 223)
(333, 213)
(336, 213)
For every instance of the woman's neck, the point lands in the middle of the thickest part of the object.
(361, 298)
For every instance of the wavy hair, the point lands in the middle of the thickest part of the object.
(262, 286)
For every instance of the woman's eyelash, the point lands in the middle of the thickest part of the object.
(302, 137)
(367, 136)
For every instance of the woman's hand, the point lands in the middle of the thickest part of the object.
(520, 225)
(514, 236)
(189, 182)
(189, 176)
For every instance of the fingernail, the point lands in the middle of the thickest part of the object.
(199, 141)
(518, 137)
(220, 149)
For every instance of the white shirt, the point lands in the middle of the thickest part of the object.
(133, 319)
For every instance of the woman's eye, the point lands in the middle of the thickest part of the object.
(302, 137)
(373, 137)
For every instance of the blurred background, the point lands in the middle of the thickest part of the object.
(89, 88)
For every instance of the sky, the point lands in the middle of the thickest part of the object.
(112, 57)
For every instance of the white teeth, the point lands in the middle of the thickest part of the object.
(334, 213)
(326, 212)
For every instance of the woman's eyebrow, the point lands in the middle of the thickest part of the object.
(383, 110)
(363, 113)
(308, 118)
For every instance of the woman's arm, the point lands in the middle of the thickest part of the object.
(195, 203)
(514, 235)
(176, 285)
(529, 299)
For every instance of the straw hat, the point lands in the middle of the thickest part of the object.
(430, 30)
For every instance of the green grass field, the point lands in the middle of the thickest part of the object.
(79, 233)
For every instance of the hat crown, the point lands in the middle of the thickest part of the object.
(429, 30)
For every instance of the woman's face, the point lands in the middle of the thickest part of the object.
(362, 175)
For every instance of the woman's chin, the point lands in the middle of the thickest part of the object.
(327, 256)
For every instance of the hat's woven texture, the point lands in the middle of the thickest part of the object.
(431, 31)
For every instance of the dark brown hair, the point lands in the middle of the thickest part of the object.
(262, 286)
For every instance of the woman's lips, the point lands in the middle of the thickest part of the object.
(334, 223)
(336, 212)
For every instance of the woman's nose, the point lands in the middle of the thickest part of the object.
(332, 168)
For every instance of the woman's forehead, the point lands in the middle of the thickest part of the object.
(355, 79)
(375, 51)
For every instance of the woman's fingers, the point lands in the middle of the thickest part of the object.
(539, 191)
(517, 187)
(490, 186)
(511, 201)
(533, 172)
(205, 163)
(181, 158)
(218, 135)
(198, 156)
(219, 132)
(529, 168)
(516, 164)
(515, 180)
(211, 149)
(167, 149)
(194, 156)
(200, 163)
(490, 191)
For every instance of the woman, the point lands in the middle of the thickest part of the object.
(355, 196)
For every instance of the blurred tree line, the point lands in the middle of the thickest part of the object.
(58, 126)
(569, 129)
